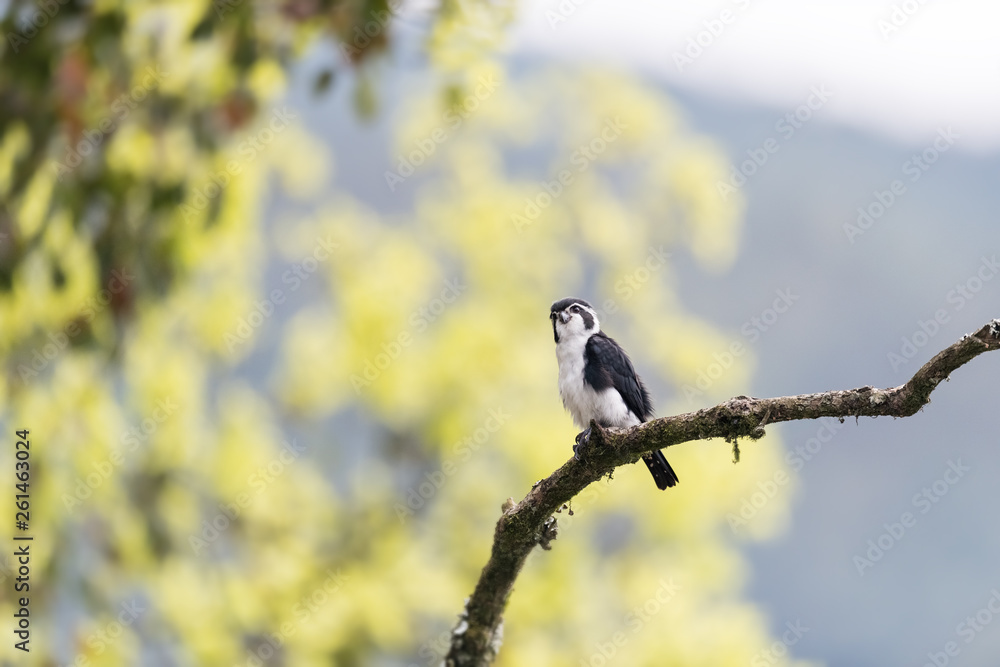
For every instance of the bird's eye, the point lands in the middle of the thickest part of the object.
(576, 309)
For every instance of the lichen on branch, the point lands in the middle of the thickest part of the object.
(477, 637)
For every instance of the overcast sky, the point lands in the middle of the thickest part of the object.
(902, 69)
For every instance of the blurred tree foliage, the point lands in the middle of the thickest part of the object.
(176, 520)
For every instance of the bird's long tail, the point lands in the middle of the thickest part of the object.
(663, 474)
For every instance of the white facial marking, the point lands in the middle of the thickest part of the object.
(570, 322)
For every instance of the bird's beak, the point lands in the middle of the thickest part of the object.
(563, 316)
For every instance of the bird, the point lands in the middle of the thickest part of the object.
(597, 381)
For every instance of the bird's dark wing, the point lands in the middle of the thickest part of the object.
(608, 366)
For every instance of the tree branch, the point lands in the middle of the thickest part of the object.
(477, 637)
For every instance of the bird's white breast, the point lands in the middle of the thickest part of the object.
(582, 401)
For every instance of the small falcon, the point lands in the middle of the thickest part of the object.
(597, 381)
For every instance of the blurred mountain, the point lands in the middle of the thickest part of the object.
(924, 270)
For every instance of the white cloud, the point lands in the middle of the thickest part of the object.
(940, 67)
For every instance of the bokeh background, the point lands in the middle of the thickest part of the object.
(274, 282)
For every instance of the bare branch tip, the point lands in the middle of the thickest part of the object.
(477, 636)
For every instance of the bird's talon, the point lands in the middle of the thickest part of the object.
(581, 439)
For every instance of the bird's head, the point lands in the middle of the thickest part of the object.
(573, 317)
